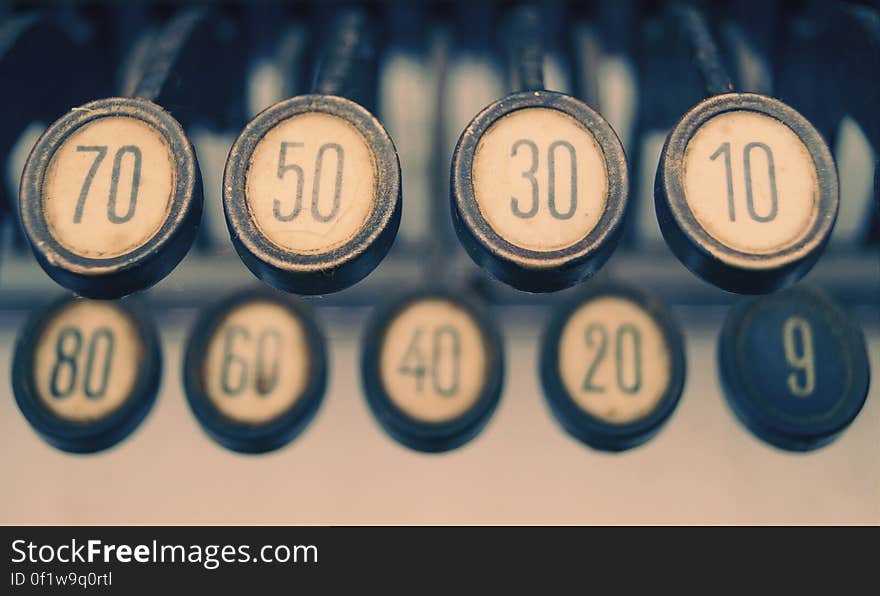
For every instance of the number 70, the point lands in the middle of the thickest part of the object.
(100, 152)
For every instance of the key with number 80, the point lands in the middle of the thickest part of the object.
(86, 372)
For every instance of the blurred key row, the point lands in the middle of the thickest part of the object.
(792, 365)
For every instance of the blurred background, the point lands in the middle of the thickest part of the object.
(439, 64)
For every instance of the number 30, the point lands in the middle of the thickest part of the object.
(551, 179)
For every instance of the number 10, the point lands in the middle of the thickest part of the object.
(724, 149)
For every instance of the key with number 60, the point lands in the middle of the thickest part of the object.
(255, 370)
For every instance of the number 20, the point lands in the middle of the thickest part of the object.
(597, 334)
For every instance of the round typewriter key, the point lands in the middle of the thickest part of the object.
(539, 190)
(86, 372)
(746, 192)
(312, 194)
(794, 368)
(255, 370)
(432, 370)
(111, 197)
(613, 366)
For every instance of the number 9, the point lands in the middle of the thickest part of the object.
(803, 359)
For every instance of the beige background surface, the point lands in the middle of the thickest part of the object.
(703, 467)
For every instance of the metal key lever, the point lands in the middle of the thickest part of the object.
(772, 227)
(516, 226)
(75, 73)
(312, 186)
(105, 230)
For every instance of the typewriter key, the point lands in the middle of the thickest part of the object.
(539, 190)
(612, 366)
(746, 191)
(539, 181)
(111, 197)
(255, 370)
(86, 373)
(432, 369)
(312, 194)
(312, 190)
(794, 368)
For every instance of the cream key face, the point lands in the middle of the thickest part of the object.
(433, 361)
(751, 182)
(256, 366)
(311, 183)
(255, 371)
(109, 187)
(87, 361)
(540, 179)
(614, 360)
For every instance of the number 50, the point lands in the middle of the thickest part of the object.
(284, 167)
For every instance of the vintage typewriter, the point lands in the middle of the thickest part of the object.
(440, 262)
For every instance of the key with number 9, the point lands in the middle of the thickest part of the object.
(794, 367)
